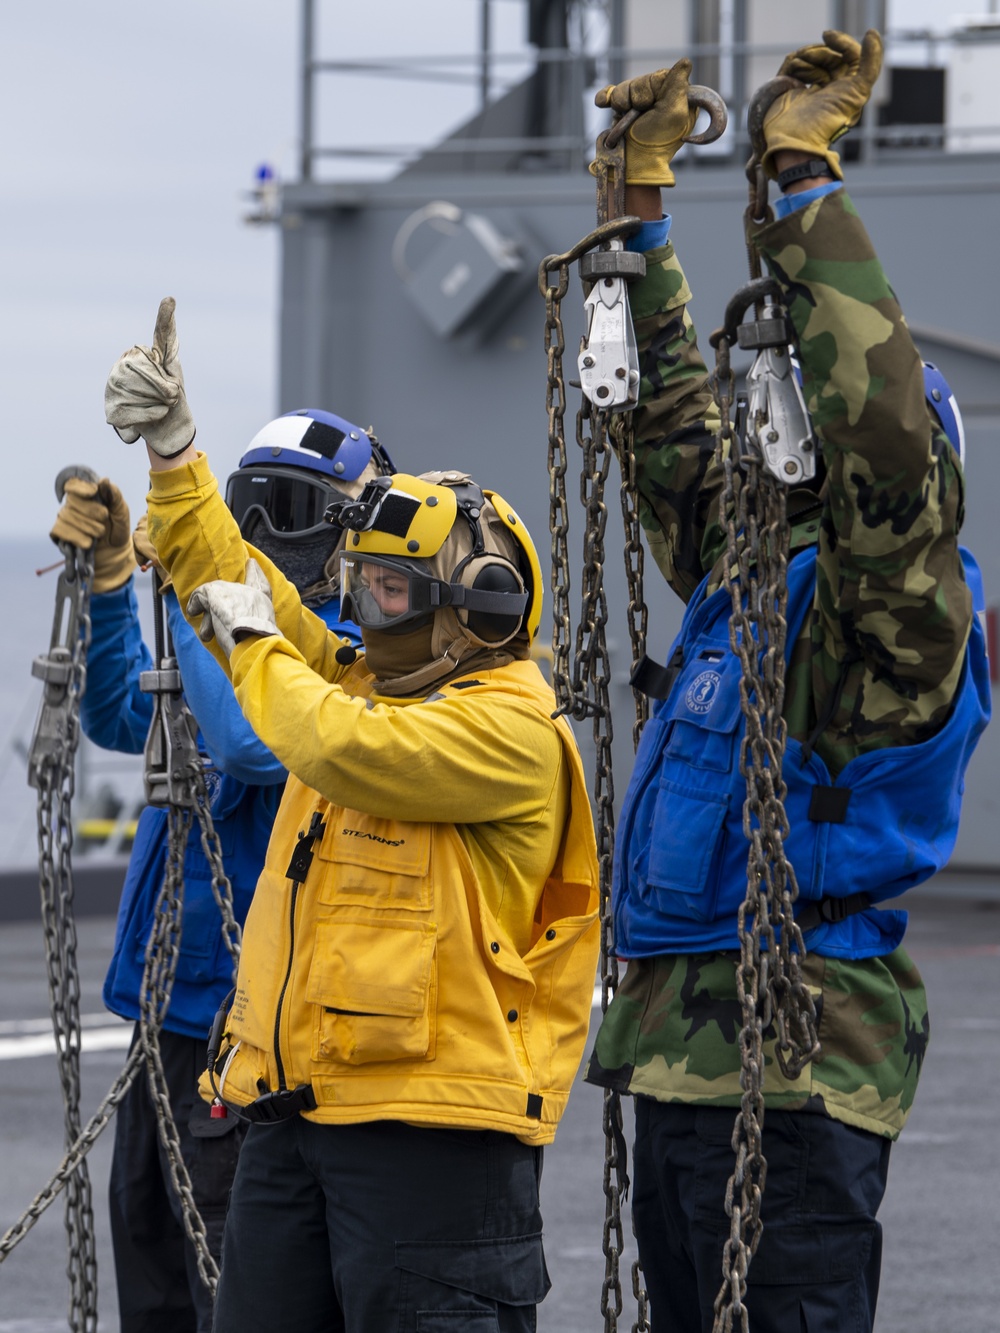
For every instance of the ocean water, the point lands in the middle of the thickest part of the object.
(27, 605)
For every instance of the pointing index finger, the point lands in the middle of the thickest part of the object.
(165, 332)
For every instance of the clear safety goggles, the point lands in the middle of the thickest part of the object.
(289, 500)
(379, 593)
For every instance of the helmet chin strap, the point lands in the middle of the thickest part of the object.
(460, 656)
(319, 593)
(421, 680)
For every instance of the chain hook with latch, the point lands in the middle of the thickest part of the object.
(608, 362)
(758, 210)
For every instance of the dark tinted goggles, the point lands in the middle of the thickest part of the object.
(289, 500)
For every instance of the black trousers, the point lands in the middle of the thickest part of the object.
(817, 1267)
(159, 1288)
(352, 1228)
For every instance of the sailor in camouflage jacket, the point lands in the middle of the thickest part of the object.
(890, 644)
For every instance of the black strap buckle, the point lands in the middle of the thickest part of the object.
(831, 911)
(302, 854)
(272, 1107)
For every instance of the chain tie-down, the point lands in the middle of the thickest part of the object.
(174, 776)
(609, 376)
(774, 1000)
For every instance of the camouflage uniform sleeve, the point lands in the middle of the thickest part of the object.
(893, 611)
(675, 424)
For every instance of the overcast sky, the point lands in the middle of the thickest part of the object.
(130, 131)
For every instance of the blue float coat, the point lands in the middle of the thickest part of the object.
(245, 783)
(680, 874)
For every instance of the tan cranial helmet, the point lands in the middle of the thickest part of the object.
(436, 552)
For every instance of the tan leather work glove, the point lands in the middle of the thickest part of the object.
(145, 553)
(666, 121)
(838, 78)
(94, 514)
(144, 394)
(230, 611)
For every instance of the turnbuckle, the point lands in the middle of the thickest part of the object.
(171, 755)
(57, 668)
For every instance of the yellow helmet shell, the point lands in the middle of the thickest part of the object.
(414, 521)
(531, 570)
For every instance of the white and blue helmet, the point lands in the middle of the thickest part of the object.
(292, 471)
(941, 401)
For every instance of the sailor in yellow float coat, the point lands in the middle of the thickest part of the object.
(415, 985)
(445, 944)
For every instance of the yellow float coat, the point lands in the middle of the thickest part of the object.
(436, 962)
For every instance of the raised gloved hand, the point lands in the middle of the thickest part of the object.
(145, 553)
(145, 391)
(666, 121)
(94, 514)
(231, 610)
(837, 79)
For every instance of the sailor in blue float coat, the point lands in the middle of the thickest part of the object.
(887, 822)
(244, 782)
(292, 470)
(885, 694)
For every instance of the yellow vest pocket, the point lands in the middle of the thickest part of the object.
(374, 985)
(382, 863)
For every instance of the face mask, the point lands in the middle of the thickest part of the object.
(389, 656)
(301, 561)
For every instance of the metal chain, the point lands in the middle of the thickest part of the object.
(622, 432)
(591, 681)
(772, 995)
(623, 438)
(52, 773)
(158, 976)
(555, 405)
(770, 988)
(157, 983)
(162, 951)
(175, 777)
(74, 1156)
(52, 751)
(584, 692)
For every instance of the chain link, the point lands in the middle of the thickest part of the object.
(162, 951)
(623, 439)
(555, 404)
(772, 995)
